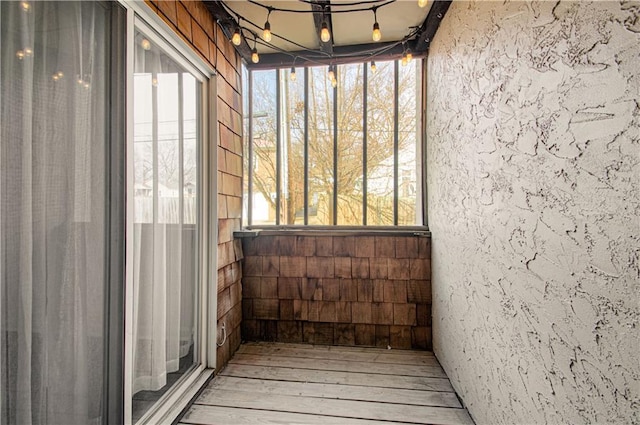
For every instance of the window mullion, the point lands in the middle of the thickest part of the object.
(365, 83)
(278, 147)
(396, 70)
(306, 145)
(335, 150)
(250, 153)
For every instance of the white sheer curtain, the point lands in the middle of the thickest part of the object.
(165, 250)
(52, 211)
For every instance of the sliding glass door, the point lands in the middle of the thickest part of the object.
(61, 134)
(166, 231)
(104, 204)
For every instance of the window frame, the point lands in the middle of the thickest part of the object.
(420, 153)
(141, 16)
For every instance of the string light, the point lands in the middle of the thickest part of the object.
(20, 54)
(28, 51)
(266, 33)
(292, 74)
(26, 6)
(332, 75)
(376, 35)
(57, 76)
(146, 44)
(334, 83)
(236, 39)
(325, 35)
(254, 53)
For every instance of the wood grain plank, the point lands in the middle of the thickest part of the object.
(341, 348)
(339, 365)
(376, 356)
(341, 392)
(218, 415)
(338, 408)
(333, 377)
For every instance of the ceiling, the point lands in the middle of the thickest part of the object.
(295, 26)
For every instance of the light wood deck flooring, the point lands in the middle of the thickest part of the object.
(273, 383)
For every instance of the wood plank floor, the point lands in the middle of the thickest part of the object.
(273, 383)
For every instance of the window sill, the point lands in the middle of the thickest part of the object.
(254, 231)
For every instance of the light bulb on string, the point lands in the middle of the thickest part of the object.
(332, 75)
(334, 83)
(146, 44)
(20, 54)
(28, 51)
(373, 67)
(325, 35)
(292, 74)
(254, 52)
(409, 55)
(236, 39)
(404, 59)
(422, 3)
(376, 35)
(26, 6)
(266, 33)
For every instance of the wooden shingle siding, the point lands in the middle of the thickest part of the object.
(344, 290)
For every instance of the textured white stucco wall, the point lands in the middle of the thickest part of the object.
(533, 193)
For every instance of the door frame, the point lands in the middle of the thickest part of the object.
(140, 15)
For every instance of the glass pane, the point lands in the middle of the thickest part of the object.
(167, 114)
(320, 147)
(380, 123)
(293, 148)
(350, 127)
(408, 136)
(53, 198)
(264, 147)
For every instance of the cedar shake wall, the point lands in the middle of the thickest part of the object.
(338, 290)
(192, 22)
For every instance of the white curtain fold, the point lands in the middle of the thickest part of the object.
(52, 211)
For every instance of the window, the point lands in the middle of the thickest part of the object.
(323, 155)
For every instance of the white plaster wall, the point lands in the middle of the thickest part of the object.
(533, 193)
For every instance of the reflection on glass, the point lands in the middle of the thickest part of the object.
(54, 181)
(165, 167)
